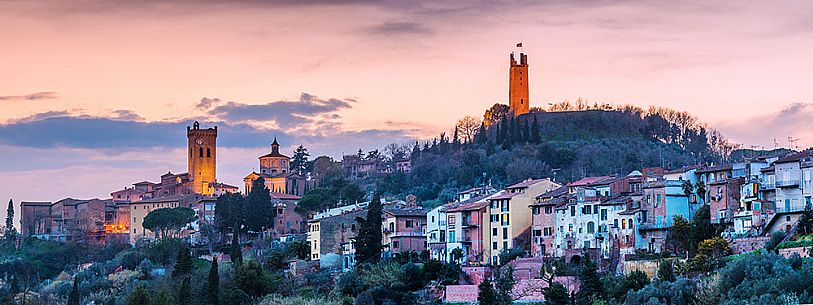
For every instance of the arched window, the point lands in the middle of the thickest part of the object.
(190, 152)
(591, 227)
(623, 223)
(208, 153)
(201, 152)
(630, 223)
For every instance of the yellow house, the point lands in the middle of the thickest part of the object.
(140, 209)
(509, 221)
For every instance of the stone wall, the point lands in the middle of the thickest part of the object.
(743, 245)
(788, 252)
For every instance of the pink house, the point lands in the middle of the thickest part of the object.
(542, 221)
(404, 230)
(471, 217)
(286, 220)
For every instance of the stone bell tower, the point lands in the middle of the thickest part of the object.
(202, 162)
(518, 85)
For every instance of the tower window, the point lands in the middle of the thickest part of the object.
(201, 152)
(208, 153)
(190, 152)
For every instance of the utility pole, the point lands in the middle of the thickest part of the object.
(792, 142)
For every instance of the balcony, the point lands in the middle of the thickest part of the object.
(655, 226)
(766, 186)
(787, 183)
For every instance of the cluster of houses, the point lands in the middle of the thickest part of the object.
(609, 217)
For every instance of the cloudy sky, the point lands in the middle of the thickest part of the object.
(96, 94)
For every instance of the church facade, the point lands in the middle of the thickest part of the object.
(274, 169)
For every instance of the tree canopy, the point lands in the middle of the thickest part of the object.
(168, 222)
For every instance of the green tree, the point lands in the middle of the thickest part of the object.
(505, 283)
(457, 255)
(213, 286)
(299, 249)
(139, 296)
(486, 295)
(229, 210)
(710, 254)
(168, 222)
(183, 263)
(11, 232)
(556, 294)
(805, 220)
(185, 294)
(259, 203)
(236, 251)
(666, 271)
(368, 240)
(700, 190)
(73, 298)
(591, 289)
(679, 237)
(688, 190)
(299, 162)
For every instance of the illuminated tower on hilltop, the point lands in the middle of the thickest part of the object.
(518, 85)
(202, 162)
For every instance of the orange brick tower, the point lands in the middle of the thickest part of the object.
(518, 85)
(202, 161)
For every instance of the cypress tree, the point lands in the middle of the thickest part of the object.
(505, 283)
(73, 298)
(535, 138)
(185, 295)
(11, 232)
(183, 263)
(368, 241)
(236, 252)
(213, 289)
(556, 294)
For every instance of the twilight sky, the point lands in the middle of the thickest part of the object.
(96, 94)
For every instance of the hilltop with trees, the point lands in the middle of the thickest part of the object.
(567, 142)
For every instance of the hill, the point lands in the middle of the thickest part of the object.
(566, 145)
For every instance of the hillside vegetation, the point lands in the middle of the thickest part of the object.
(567, 145)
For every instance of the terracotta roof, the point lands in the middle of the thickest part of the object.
(468, 206)
(605, 181)
(42, 203)
(504, 196)
(586, 181)
(553, 201)
(526, 183)
(406, 212)
(715, 168)
(161, 199)
(559, 191)
(682, 169)
(795, 157)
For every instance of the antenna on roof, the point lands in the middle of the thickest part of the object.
(793, 141)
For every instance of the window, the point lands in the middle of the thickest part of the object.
(615, 223)
(586, 244)
(505, 220)
(494, 245)
(505, 245)
(505, 205)
(630, 223)
(603, 214)
(494, 231)
(591, 227)
(537, 232)
(572, 211)
(548, 210)
(395, 244)
(452, 238)
(504, 233)
(657, 200)
(535, 210)
(409, 224)
(623, 223)
(547, 231)
(433, 218)
(570, 227)
(208, 153)
(201, 152)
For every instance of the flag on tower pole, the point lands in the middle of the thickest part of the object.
(519, 45)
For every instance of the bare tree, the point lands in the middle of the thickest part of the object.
(468, 127)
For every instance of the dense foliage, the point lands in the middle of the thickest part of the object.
(566, 145)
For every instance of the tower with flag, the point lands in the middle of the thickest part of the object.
(518, 92)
